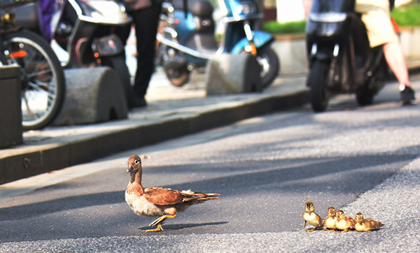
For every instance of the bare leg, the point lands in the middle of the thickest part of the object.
(307, 4)
(396, 61)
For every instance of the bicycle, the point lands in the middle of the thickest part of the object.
(42, 76)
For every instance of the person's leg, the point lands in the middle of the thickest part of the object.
(307, 5)
(146, 23)
(380, 31)
(396, 62)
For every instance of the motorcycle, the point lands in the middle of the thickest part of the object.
(339, 55)
(188, 40)
(42, 79)
(88, 30)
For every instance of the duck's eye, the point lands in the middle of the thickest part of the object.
(136, 161)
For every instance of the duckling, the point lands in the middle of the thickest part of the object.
(154, 201)
(366, 225)
(311, 217)
(329, 222)
(344, 223)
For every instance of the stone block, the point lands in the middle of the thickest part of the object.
(292, 55)
(93, 95)
(10, 106)
(232, 73)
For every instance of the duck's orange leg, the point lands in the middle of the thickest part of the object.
(159, 222)
(158, 229)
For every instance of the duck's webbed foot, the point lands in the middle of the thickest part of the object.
(311, 230)
(159, 222)
(158, 229)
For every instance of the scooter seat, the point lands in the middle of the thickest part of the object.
(196, 7)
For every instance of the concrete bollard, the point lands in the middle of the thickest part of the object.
(233, 73)
(10, 106)
(92, 95)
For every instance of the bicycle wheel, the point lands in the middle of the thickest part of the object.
(42, 77)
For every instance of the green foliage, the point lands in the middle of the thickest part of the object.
(275, 27)
(404, 16)
(407, 15)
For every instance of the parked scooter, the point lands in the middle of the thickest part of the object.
(86, 30)
(188, 39)
(340, 58)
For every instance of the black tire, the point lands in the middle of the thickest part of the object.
(317, 82)
(175, 67)
(364, 96)
(118, 64)
(177, 77)
(42, 76)
(270, 65)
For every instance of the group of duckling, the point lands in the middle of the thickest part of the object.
(336, 220)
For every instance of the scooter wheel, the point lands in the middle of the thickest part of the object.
(364, 96)
(317, 80)
(270, 65)
(177, 77)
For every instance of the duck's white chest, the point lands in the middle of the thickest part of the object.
(342, 224)
(360, 227)
(330, 222)
(311, 218)
(141, 206)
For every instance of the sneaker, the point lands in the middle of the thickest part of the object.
(407, 95)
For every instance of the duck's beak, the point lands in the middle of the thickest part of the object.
(130, 168)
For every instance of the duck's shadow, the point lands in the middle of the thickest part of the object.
(183, 226)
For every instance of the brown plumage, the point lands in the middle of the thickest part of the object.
(329, 222)
(311, 217)
(155, 201)
(366, 225)
(344, 223)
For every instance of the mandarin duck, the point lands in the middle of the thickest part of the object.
(329, 222)
(366, 225)
(311, 217)
(344, 223)
(156, 201)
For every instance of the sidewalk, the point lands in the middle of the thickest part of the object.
(172, 112)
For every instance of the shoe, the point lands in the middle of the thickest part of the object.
(138, 102)
(407, 95)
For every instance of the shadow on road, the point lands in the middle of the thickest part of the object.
(187, 225)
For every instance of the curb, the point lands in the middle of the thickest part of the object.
(84, 149)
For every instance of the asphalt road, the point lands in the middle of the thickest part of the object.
(266, 168)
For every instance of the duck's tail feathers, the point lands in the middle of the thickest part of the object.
(199, 196)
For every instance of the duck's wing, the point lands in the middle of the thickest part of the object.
(375, 224)
(163, 197)
(351, 221)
